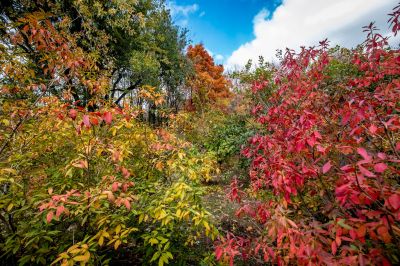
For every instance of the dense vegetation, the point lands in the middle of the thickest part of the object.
(119, 142)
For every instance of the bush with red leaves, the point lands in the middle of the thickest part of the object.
(325, 168)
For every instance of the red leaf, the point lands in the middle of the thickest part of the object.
(218, 252)
(73, 113)
(380, 167)
(326, 167)
(115, 186)
(373, 129)
(366, 172)
(94, 121)
(257, 249)
(364, 154)
(334, 247)
(394, 201)
(49, 216)
(86, 120)
(346, 118)
(107, 118)
(60, 210)
(317, 135)
(125, 172)
(311, 141)
(342, 190)
(127, 204)
(385, 262)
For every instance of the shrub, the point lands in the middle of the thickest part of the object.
(325, 166)
(90, 183)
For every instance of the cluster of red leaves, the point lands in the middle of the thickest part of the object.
(329, 154)
(111, 189)
(114, 191)
(55, 49)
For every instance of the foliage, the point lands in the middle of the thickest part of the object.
(208, 85)
(92, 182)
(197, 127)
(83, 180)
(325, 165)
(131, 43)
(228, 138)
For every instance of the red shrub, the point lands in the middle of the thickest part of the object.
(328, 157)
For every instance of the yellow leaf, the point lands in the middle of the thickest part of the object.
(101, 241)
(74, 251)
(153, 241)
(116, 244)
(206, 225)
(106, 234)
(72, 248)
(6, 122)
(141, 217)
(10, 206)
(57, 260)
(118, 229)
(84, 257)
(9, 170)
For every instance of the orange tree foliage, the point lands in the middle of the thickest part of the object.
(78, 186)
(325, 168)
(208, 85)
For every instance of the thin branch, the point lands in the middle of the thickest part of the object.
(129, 89)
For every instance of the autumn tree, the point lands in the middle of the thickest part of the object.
(134, 43)
(208, 85)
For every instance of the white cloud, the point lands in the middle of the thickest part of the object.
(202, 14)
(305, 22)
(219, 57)
(181, 10)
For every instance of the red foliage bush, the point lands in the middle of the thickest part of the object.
(325, 168)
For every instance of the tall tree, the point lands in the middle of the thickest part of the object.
(208, 85)
(134, 43)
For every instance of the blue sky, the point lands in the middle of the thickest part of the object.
(237, 30)
(222, 25)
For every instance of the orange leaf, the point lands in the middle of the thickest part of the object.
(384, 234)
(361, 231)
